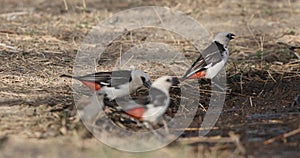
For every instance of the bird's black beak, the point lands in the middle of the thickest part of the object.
(147, 84)
(230, 36)
(175, 81)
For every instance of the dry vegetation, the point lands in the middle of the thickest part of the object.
(39, 41)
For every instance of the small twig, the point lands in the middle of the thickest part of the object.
(194, 129)
(250, 100)
(293, 62)
(296, 54)
(215, 139)
(282, 136)
(8, 47)
(291, 76)
(7, 31)
(241, 82)
(260, 93)
(159, 17)
(271, 76)
(126, 61)
(13, 14)
(66, 5)
(202, 107)
(184, 108)
(84, 4)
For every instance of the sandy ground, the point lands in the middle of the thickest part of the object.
(39, 41)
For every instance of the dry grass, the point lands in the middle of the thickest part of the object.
(39, 41)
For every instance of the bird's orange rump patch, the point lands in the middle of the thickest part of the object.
(136, 113)
(199, 74)
(92, 85)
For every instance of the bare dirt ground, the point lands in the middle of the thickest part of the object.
(39, 41)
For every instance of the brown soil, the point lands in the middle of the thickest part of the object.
(39, 41)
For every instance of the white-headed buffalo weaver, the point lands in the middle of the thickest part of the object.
(212, 59)
(115, 84)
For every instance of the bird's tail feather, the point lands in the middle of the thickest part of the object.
(186, 75)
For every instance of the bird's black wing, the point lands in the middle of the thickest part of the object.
(120, 77)
(158, 97)
(210, 56)
(113, 78)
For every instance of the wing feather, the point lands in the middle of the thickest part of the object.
(208, 58)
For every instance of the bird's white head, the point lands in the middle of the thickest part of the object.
(164, 83)
(139, 78)
(224, 38)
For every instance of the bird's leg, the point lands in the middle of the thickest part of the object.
(109, 92)
(138, 123)
(164, 118)
(166, 126)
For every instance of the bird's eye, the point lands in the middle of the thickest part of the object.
(168, 80)
(228, 36)
(143, 79)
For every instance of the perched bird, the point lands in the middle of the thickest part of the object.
(114, 84)
(212, 59)
(157, 104)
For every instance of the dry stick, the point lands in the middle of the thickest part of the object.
(129, 41)
(203, 108)
(296, 54)
(215, 139)
(159, 17)
(8, 47)
(66, 5)
(241, 82)
(292, 76)
(281, 136)
(271, 76)
(7, 31)
(128, 62)
(283, 72)
(184, 108)
(84, 4)
(250, 99)
(294, 62)
(194, 129)
(13, 14)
